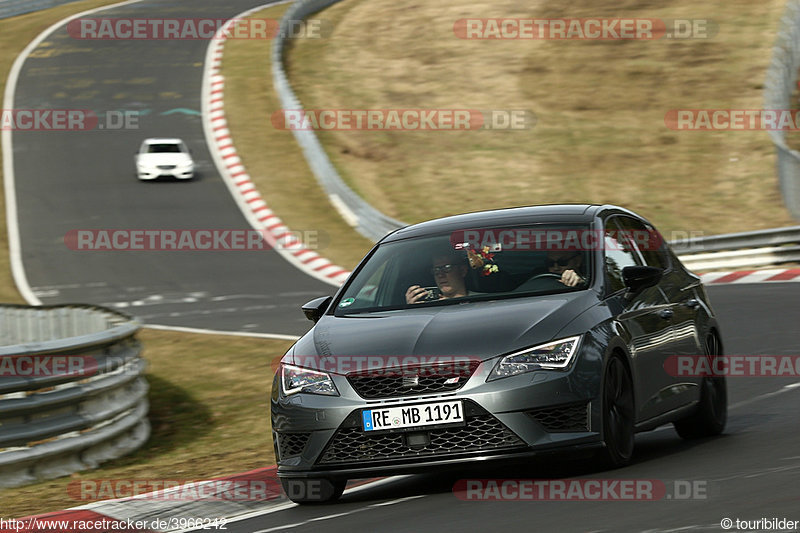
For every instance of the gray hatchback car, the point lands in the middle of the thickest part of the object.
(496, 335)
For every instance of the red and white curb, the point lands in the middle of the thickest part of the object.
(752, 276)
(235, 176)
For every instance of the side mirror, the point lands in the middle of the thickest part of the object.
(315, 308)
(637, 277)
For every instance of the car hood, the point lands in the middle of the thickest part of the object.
(174, 158)
(478, 330)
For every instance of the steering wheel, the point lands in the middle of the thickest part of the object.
(544, 281)
(545, 276)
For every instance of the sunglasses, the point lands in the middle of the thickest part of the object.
(560, 262)
(443, 269)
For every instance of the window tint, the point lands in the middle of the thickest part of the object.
(618, 254)
(647, 240)
(163, 148)
(472, 264)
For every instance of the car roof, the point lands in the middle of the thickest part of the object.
(162, 140)
(554, 213)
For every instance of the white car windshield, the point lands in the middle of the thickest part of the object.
(163, 148)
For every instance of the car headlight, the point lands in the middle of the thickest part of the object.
(553, 355)
(295, 379)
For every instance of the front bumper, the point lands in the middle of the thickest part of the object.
(176, 173)
(520, 416)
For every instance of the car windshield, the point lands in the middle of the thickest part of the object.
(163, 148)
(467, 266)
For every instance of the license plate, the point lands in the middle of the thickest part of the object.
(427, 414)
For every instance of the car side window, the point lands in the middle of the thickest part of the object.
(647, 240)
(367, 296)
(618, 254)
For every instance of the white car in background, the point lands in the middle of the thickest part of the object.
(161, 157)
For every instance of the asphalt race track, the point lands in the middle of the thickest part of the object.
(85, 180)
(748, 473)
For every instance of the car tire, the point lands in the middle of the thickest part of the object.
(712, 411)
(618, 414)
(313, 490)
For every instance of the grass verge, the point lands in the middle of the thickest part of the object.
(272, 157)
(209, 415)
(600, 135)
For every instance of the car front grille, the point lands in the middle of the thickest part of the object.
(412, 381)
(166, 167)
(563, 418)
(481, 433)
(290, 444)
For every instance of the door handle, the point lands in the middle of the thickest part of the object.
(692, 303)
(665, 313)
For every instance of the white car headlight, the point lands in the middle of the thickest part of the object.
(553, 355)
(295, 379)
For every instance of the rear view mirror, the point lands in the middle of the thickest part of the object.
(316, 308)
(637, 277)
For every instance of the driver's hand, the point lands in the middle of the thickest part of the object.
(415, 294)
(570, 278)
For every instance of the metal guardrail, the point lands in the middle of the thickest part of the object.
(12, 8)
(778, 89)
(72, 391)
(740, 250)
(367, 220)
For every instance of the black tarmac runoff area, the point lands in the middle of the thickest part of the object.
(84, 180)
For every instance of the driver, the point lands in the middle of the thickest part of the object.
(449, 271)
(568, 265)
